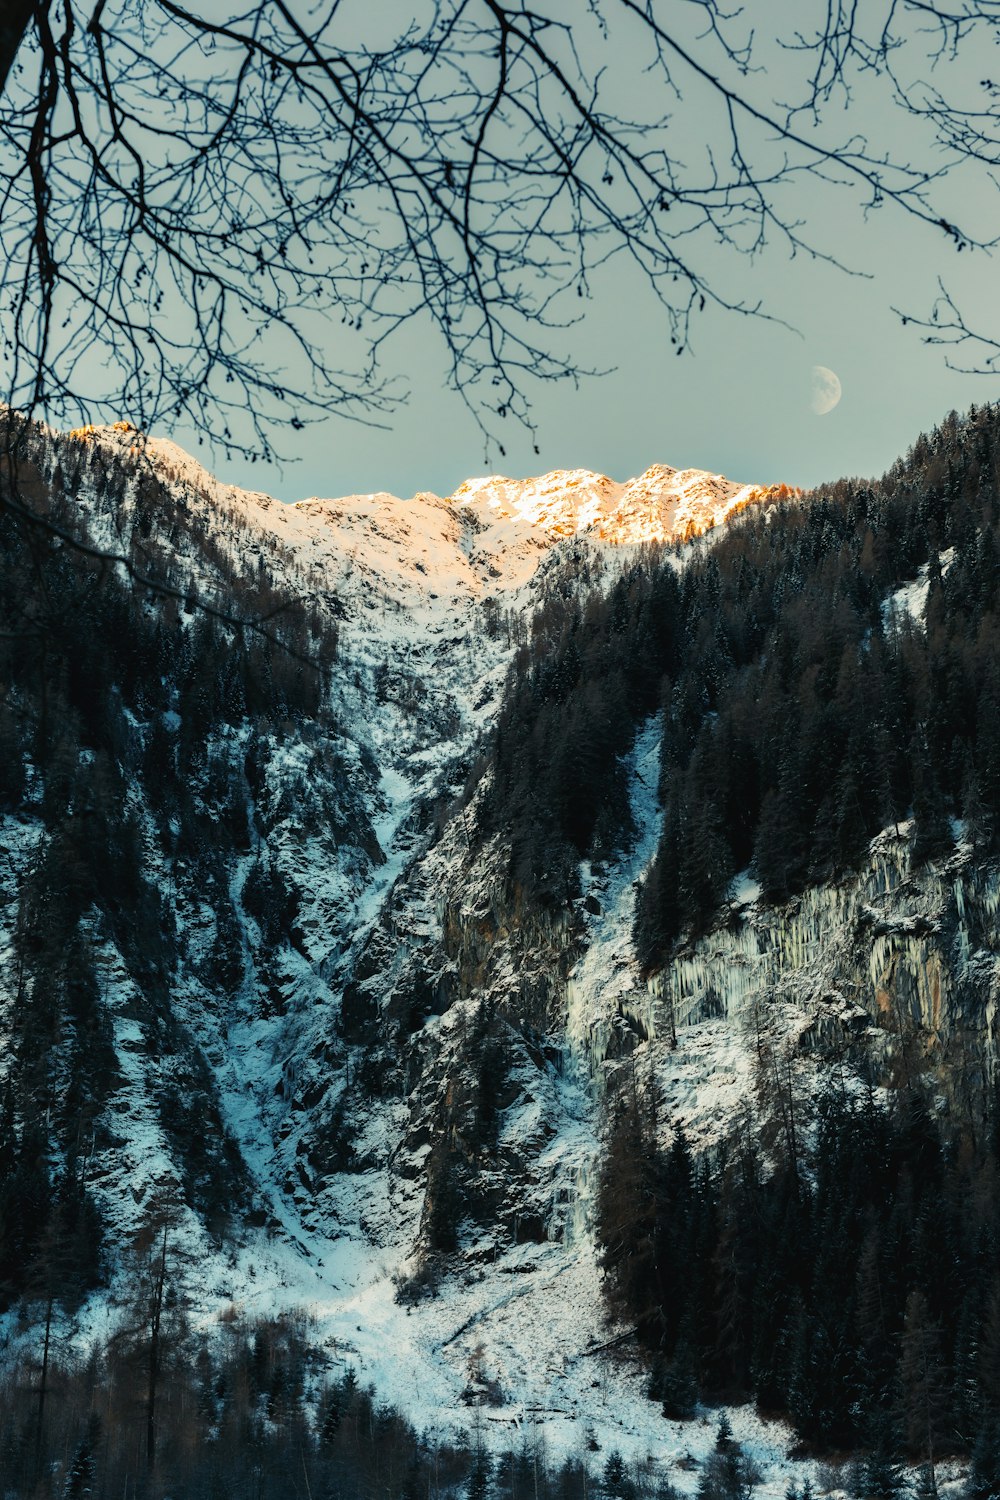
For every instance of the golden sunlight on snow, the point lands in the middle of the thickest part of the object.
(661, 505)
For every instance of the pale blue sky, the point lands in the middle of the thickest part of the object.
(739, 402)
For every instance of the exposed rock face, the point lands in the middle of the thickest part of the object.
(893, 973)
(901, 961)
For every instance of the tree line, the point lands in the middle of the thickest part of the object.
(850, 1285)
(801, 712)
(133, 728)
(260, 1410)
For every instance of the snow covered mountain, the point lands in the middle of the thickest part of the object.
(373, 1053)
(429, 599)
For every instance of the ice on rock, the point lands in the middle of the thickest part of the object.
(604, 986)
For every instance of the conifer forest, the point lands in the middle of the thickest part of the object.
(755, 771)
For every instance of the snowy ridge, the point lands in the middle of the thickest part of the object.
(412, 582)
(424, 590)
(662, 504)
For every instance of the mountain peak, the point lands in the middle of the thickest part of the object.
(661, 505)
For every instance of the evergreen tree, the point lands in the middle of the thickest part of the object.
(983, 1482)
(616, 1482)
(923, 1392)
(81, 1480)
(877, 1476)
(676, 1385)
(727, 1473)
(480, 1475)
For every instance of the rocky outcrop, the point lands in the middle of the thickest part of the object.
(898, 963)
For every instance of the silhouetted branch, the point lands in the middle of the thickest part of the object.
(224, 218)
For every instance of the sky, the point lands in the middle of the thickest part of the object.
(737, 404)
(738, 400)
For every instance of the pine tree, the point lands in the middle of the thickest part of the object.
(989, 1331)
(876, 1362)
(983, 1482)
(724, 1440)
(727, 1473)
(677, 1388)
(616, 1483)
(923, 1392)
(81, 1480)
(877, 1476)
(477, 1485)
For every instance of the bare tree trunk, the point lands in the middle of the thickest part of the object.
(15, 18)
(156, 1311)
(43, 1384)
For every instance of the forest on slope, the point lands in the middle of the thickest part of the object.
(849, 1282)
(824, 669)
(802, 714)
(121, 774)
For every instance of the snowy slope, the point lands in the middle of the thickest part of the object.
(660, 505)
(431, 598)
(426, 591)
(343, 1064)
(513, 1337)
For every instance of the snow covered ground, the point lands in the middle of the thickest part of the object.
(910, 601)
(520, 1334)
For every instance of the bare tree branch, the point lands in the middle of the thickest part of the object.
(223, 216)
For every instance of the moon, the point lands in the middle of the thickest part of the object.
(826, 390)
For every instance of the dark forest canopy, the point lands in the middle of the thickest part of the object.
(801, 714)
(118, 712)
(852, 1287)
